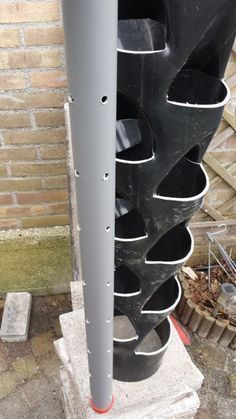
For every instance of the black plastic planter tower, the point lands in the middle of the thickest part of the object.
(172, 56)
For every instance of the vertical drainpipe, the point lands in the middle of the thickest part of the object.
(90, 28)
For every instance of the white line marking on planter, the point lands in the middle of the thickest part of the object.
(161, 349)
(178, 261)
(191, 198)
(213, 106)
(118, 239)
(136, 161)
(166, 310)
(130, 294)
(130, 51)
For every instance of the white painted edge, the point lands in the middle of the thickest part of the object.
(135, 161)
(214, 106)
(127, 295)
(126, 340)
(163, 347)
(191, 198)
(134, 239)
(172, 307)
(178, 261)
(130, 51)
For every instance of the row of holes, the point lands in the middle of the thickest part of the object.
(103, 100)
(108, 283)
(105, 176)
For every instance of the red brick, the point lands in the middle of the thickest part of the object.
(21, 211)
(53, 152)
(29, 59)
(3, 170)
(16, 154)
(31, 11)
(8, 224)
(48, 79)
(50, 119)
(6, 199)
(14, 119)
(12, 185)
(58, 182)
(9, 38)
(12, 81)
(45, 221)
(38, 169)
(44, 36)
(58, 208)
(39, 136)
(41, 196)
(32, 100)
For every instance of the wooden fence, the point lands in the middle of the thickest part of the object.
(220, 162)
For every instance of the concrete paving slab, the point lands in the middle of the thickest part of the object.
(16, 317)
(76, 295)
(175, 384)
(15, 406)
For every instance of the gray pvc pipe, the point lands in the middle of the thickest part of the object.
(90, 28)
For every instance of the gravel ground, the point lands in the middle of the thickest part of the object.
(218, 365)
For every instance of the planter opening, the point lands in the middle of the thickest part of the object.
(172, 247)
(123, 328)
(155, 340)
(194, 154)
(126, 282)
(134, 138)
(179, 183)
(141, 26)
(193, 87)
(129, 222)
(164, 298)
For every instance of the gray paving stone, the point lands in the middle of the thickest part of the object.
(170, 393)
(49, 408)
(14, 407)
(16, 317)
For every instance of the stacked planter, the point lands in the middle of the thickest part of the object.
(171, 59)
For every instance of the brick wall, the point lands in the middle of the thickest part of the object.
(33, 175)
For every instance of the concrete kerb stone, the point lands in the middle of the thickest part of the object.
(16, 317)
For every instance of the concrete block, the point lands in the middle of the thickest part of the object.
(76, 294)
(16, 317)
(170, 393)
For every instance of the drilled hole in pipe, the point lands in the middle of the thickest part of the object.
(108, 228)
(108, 284)
(76, 172)
(106, 176)
(70, 99)
(104, 100)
